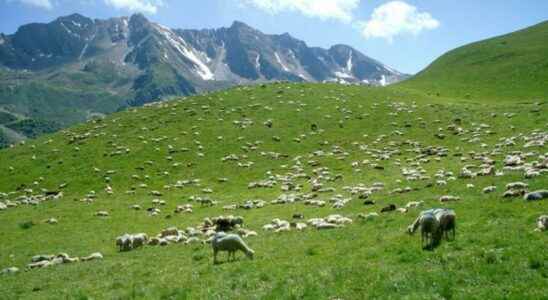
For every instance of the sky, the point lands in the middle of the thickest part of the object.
(404, 34)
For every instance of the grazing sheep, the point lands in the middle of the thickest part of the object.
(93, 256)
(536, 195)
(402, 210)
(268, 227)
(154, 241)
(124, 242)
(513, 193)
(389, 208)
(138, 240)
(52, 221)
(325, 225)
(300, 226)
(447, 222)
(39, 264)
(414, 204)
(448, 198)
(542, 223)
(228, 223)
(249, 233)
(298, 216)
(41, 257)
(337, 219)
(102, 213)
(489, 189)
(516, 185)
(169, 232)
(444, 222)
(230, 243)
(44, 261)
(369, 216)
(429, 227)
(8, 271)
(281, 225)
(191, 240)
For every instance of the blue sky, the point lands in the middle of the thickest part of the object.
(406, 35)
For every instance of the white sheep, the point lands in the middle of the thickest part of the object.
(414, 204)
(325, 225)
(138, 240)
(268, 227)
(11, 270)
(102, 213)
(516, 185)
(171, 231)
(52, 221)
(447, 222)
(93, 256)
(542, 223)
(369, 216)
(124, 242)
(489, 189)
(230, 243)
(300, 226)
(448, 198)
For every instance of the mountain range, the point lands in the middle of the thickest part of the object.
(67, 71)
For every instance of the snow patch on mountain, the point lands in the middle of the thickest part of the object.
(258, 62)
(280, 62)
(391, 70)
(178, 43)
(69, 31)
(343, 75)
(349, 63)
(383, 82)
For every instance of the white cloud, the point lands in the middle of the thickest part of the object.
(45, 4)
(340, 10)
(396, 18)
(144, 6)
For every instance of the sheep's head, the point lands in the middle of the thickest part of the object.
(410, 229)
(249, 253)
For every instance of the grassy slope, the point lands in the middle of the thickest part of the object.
(509, 67)
(496, 254)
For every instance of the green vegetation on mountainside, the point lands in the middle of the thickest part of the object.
(4, 141)
(33, 128)
(496, 253)
(509, 67)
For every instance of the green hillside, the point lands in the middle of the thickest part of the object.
(290, 135)
(509, 67)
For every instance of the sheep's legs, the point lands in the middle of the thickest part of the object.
(215, 257)
(231, 254)
(427, 241)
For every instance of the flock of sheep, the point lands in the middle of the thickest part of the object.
(303, 178)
